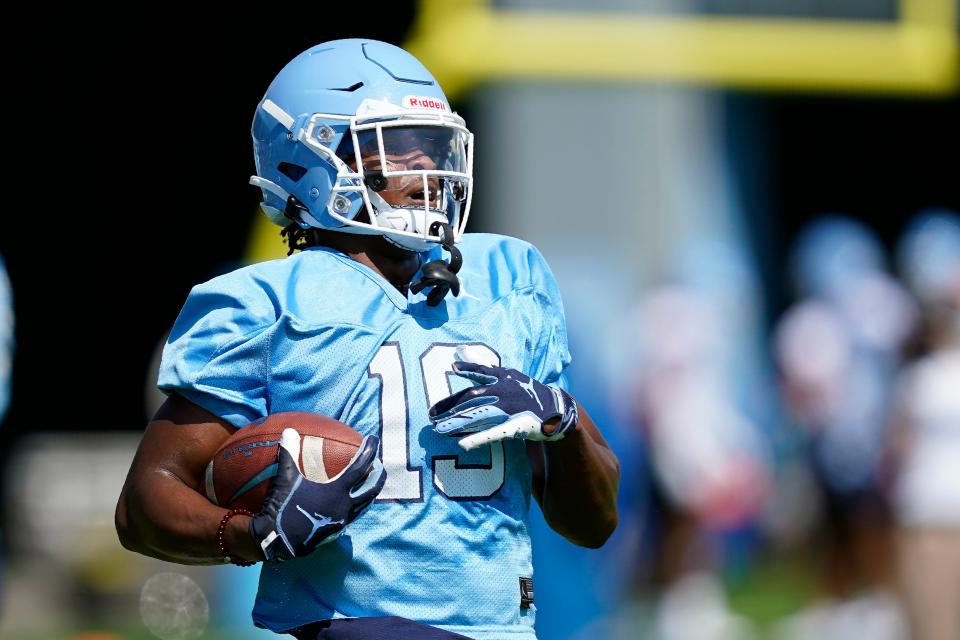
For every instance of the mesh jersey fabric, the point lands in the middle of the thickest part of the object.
(446, 541)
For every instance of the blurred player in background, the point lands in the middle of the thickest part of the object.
(926, 490)
(710, 461)
(445, 350)
(838, 349)
(6, 366)
(6, 339)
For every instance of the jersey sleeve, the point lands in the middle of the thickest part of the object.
(552, 355)
(217, 355)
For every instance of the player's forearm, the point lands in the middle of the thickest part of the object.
(162, 517)
(581, 479)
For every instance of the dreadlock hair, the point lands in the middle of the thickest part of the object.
(298, 238)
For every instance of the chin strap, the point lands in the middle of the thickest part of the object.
(440, 274)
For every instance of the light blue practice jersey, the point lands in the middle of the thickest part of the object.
(446, 541)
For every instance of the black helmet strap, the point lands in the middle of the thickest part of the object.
(440, 274)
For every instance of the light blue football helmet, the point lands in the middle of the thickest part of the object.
(928, 254)
(832, 253)
(347, 120)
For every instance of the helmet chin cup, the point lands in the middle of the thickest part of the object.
(415, 245)
(424, 222)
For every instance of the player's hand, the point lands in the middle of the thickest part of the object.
(300, 515)
(504, 404)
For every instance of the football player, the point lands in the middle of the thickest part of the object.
(445, 350)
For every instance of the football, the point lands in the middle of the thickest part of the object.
(240, 473)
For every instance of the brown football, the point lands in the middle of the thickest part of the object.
(240, 473)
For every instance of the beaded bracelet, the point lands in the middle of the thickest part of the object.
(222, 545)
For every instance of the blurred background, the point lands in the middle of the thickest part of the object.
(751, 209)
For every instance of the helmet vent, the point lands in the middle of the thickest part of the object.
(292, 171)
(352, 87)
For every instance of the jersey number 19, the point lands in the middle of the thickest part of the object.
(454, 480)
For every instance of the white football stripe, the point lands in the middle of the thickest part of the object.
(208, 482)
(313, 467)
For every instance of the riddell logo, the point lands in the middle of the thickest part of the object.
(422, 102)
